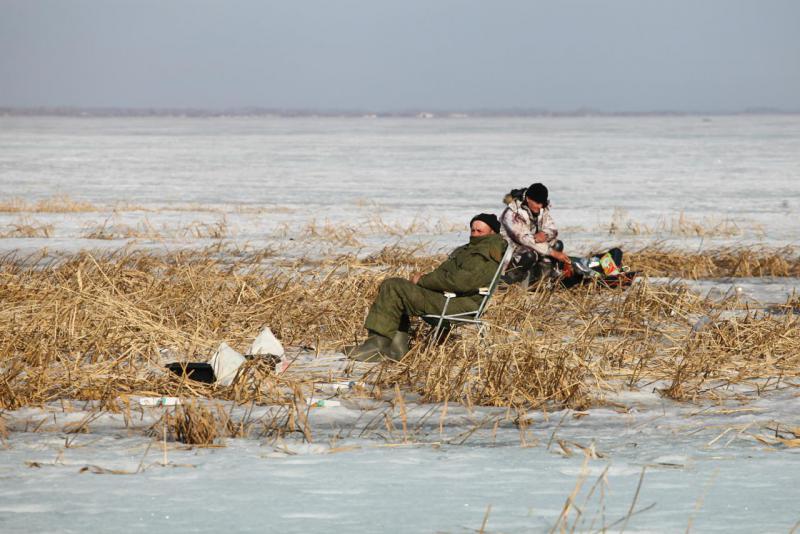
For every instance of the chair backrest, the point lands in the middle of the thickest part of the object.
(504, 261)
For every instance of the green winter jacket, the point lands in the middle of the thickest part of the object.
(468, 268)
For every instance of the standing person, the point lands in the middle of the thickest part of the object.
(530, 228)
(464, 272)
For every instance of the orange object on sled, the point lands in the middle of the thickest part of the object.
(610, 267)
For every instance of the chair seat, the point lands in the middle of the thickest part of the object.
(448, 320)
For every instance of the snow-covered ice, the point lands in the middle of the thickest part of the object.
(167, 183)
(737, 177)
(701, 464)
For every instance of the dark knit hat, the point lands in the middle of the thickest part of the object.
(489, 219)
(538, 193)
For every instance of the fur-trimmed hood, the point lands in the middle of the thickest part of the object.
(515, 196)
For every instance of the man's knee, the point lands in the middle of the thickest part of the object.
(406, 295)
(394, 285)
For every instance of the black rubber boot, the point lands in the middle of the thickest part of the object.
(542, 272)
(520, 270)
(374, 348)
(545, 270)
(399, 346)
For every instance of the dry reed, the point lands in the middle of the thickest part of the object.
(92, 326)
(145, 230)
(197, 424)
(27, 228)
(680, 225)
(723, 262)
(56, 204)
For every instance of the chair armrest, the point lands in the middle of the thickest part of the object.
(483, 291)
(449, 295)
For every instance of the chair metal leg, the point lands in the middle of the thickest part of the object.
(441, 318)
(482, 330)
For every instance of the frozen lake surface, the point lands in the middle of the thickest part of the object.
(735, 177)
(283, 183)
(703, 465)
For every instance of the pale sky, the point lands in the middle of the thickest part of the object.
(626, 55)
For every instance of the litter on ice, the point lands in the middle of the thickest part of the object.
(222, 367)
(226, 362)
(159, 401)
(266, 344)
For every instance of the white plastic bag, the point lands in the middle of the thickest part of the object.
(266, 343)
(226, 362)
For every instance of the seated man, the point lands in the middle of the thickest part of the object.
(531, 230)
(466, 270)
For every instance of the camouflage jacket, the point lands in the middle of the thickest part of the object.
(520, 226)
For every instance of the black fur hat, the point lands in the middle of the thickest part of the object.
(489, 219)
(538, 193)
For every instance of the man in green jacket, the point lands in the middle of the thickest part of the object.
(466, 270)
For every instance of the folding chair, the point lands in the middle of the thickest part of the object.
(472, 317)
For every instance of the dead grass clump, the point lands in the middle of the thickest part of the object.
(565, 347)
(376, 225)
(724, 262)
(38, 379)
(202, 230)
(56, 204)
(515, 373)
(681, 225)
(194, 424)
(197, 422)
(736, 350)
(403, 258)
(256, 380)
(262, 210)
(27, 228)
(143, 230)
(548, 347)
(340, 234)
(350, 235)
(92, 326)
(100, 232)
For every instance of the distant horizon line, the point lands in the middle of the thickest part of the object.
(429, 113)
